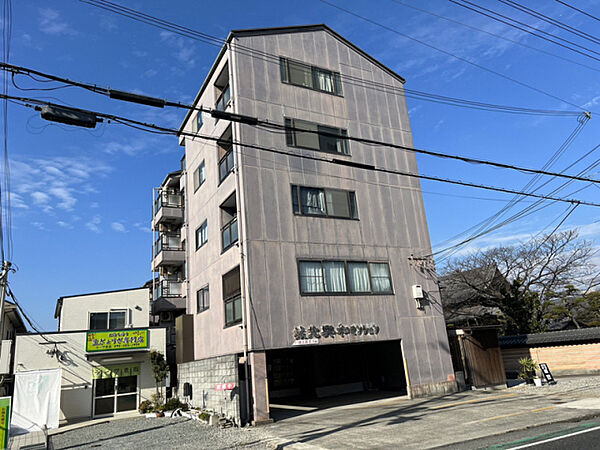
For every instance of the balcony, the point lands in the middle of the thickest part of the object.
(168, 208)
(168, 250)
(229, 233)
(226, 165)
(168, 296)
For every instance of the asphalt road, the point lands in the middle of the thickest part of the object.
(564, 436)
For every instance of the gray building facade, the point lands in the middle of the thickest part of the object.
(302, 267)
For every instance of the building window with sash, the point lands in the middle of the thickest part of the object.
(202, 299)
(312, 77)
(312, 201)
(303, 134)
(232, 297)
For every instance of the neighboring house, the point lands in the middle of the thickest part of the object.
(12, 324)
(470, 297)
(299, 279)
(567, 352)
(102, 346)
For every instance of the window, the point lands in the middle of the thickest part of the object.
(199, 176)
(201, 235)
(222, 91)
(229, 229)
(344, 277)
(303, 134)
(232, 298)
(202, 299)
(300, 74)
(197, 122)
(309, 201)
(225, 154)
(113, 320)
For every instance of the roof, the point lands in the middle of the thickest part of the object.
(12, 309)
(552, 337)
(60, 300)
(170, 175)
(285, 30)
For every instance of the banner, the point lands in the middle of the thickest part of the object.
(106, 341)
(36, 400)
(4, 421)
(123, 370)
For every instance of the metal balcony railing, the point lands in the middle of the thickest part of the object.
(169, 200)
(168, 288)
(168, 241)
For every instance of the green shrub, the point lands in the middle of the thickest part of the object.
(173, 403)
(528, 367)
(204, 416)
(146, 406)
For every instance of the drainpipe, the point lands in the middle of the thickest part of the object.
(241, 231)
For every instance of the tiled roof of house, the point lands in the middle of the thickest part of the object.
(552, 337)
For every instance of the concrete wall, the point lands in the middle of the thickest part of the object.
(77, 388)
(392, 225)
(204, 375)
(75, 311)
(576, 359)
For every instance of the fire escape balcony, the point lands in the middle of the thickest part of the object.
(168, 296)
(168, 208)
(168, 251)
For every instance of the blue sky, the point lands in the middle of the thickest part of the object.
(81, 199)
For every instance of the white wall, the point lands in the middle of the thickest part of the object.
(75, 311)
(77, 385)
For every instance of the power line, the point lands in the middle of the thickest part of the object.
(340, 162)
(448, 53)
(579, 10)
(551, 21)
(524, 27)
(211, 40)
(245, 119)
(499, 36)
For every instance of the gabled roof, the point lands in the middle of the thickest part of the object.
(284, 30)
(552, 337)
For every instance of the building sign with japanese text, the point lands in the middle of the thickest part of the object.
(4, 421)
(106, 341)
(308, 334)
(224, 386)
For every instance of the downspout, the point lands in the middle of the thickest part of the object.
(242, 232)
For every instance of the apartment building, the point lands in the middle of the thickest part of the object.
(300, 268)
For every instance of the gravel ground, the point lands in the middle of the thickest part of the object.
(161, 433)
(570, 385)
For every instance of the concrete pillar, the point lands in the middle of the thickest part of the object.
(260, 394)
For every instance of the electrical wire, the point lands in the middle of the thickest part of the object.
(254, 53)
(6, 242)
(32, 322)
(499, 36)
(579, 10)
(341, 162)
(551, 21)
(524, 27)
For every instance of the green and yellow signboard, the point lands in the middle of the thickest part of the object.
(4, 421)
(122, 370)
(107, 341)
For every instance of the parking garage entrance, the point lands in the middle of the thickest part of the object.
(304, 375)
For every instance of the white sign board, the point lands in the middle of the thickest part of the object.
(36, 400)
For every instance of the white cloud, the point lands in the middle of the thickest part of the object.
(62, 224)
(118, 227)
(143, 227)
(92, 225)
(184, 49)
(52, 23)
(40, 198)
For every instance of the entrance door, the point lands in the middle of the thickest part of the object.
(113, 395)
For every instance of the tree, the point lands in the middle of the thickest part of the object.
(160, 370)
(540, 274)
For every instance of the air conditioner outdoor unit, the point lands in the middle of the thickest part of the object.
(417, 290)
(166, 316)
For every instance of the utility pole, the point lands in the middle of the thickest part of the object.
(6, 267)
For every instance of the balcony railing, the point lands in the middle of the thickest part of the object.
(168, 200)
(229, 233)
(167, 288)
(168, 241)
(223, 100)
(226, 165)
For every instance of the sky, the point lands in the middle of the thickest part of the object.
(82, 199)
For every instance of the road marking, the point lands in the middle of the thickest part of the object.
(533, 444)
(511, 415)
(508, 445)
(476, 400)
(294, 407)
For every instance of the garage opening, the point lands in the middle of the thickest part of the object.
(326, 375)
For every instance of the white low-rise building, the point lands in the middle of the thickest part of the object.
(103, 347)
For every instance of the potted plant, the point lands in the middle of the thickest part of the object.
(527, 369)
